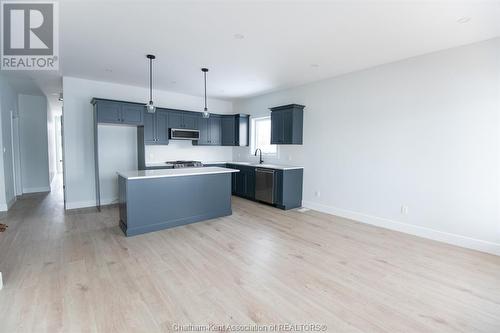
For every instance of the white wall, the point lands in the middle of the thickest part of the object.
(78, 132)
(184, 150)
(34, 143)
(8, 103)
(423, 132)
(117, 152)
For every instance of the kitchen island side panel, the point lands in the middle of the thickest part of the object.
(158, 203)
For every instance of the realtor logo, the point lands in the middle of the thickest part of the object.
(29, 35)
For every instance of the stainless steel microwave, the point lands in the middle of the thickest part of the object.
(184, 134)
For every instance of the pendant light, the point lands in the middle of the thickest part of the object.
(206, 114)
(150, 106)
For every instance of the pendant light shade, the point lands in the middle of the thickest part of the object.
(150, 106)
(206, 114)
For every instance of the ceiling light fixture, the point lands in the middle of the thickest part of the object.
(463, 19)
(150, 106)
(206, 114)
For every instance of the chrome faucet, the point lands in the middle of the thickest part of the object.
(260, 158)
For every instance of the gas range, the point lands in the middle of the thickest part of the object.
(185, 164)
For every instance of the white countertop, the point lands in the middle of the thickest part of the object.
(160, 173)
(253, 164)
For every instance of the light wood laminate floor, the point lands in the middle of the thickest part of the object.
(76, 272)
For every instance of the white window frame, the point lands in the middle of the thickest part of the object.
(253, 147)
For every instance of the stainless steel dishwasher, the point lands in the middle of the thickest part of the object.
(264, 185)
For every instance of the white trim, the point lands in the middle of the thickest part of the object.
(445, 237)
(36, 189)
(4, 207)
(11, 202)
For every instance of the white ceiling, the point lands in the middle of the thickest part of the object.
(284, 44)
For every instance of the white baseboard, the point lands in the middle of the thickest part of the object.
(11, 202)
(36, 189)
(5, 207)
(445, 237)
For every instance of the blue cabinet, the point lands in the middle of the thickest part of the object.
(210, 131)
(175, 119)
(287, 185)
(287, 124)
(243, 182)
(235, 130)
(228, 129)
(114, 112)
(156, 127)
(162, 127)
(149, 128)
(183, 119)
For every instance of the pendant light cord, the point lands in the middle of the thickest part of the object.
(205, 75)
(150, 80)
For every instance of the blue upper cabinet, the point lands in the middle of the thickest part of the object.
(215, 130)
(162, 127)
(183, 119)
(234, 130)
(210, 131)
(132, 114)
(287, 123)
(114, 112)
(190, 120)
(149, 128)
(156, 127)
(228, 129)
(175, 119)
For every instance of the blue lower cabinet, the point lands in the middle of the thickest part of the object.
(287, 185)
(289, 188)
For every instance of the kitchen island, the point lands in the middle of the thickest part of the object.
(151, 200)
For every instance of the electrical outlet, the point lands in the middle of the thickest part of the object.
(404, 210)
(317, 194)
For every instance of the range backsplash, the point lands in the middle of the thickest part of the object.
(184, 150)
